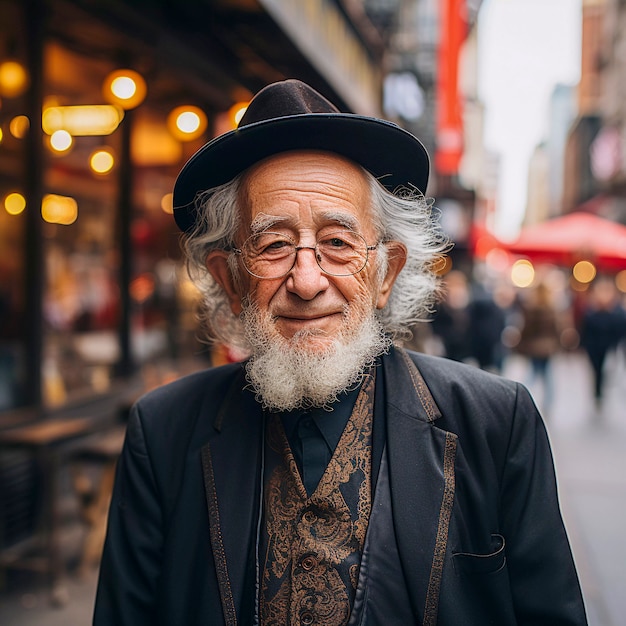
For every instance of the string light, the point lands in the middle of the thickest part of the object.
(61, 140)
(14, 203)
(82, 120)
(125, 87)
(187, 122)
(102, 161)
(19, 126)
(13, 79)
(57, 209)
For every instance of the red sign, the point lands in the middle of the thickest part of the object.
(453, 31)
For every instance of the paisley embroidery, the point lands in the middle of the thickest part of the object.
(315, 544)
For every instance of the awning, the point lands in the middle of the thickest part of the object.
(571, 238)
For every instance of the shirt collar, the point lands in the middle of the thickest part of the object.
(331, 423)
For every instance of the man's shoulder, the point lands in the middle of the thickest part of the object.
(472, 400)
(454, 382)
(192, 389)
(168, 416)
(431, 366)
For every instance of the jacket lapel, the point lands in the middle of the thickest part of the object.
(231, 469)
(421, 458)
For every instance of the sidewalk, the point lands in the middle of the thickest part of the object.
(590, 456)
(591, 466)
(589, 446)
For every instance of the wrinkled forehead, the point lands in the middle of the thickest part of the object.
(320, 182)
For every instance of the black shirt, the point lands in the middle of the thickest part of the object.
(314, 434)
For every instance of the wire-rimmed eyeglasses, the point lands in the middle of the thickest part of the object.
(273, 255)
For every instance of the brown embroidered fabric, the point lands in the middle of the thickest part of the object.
(314, 544)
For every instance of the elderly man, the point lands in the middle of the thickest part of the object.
(331, 478)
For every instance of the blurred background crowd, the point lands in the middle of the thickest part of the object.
(491, 326)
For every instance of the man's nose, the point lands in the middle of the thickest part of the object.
(306, 279)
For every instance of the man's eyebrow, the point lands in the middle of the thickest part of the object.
(343, 219)
(263, 221)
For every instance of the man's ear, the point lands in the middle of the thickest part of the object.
(217, 264)
(396, 258)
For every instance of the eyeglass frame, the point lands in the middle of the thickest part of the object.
(368, 249)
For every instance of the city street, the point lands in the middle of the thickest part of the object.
(590, 453)
(162, 166)
(589, 446)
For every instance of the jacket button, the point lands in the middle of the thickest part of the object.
(307, 618)
(308, 563)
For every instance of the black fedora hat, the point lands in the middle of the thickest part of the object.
(291, 115)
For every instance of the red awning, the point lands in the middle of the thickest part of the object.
(571, 238)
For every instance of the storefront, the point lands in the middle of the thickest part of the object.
(91, 283)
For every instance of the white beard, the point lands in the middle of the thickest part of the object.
(296, 373)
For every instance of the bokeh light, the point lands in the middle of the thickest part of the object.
(61, 140)
(236, 112)
(167, 203)
(522, 273)
(584, 271)
(102, 161)
(57, 209)
(142, 287)
(14, 203)
(13, 79)
(19, 126)
(125, 88)
(82, 120)
(187, 122)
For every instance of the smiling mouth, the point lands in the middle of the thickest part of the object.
(307, 318)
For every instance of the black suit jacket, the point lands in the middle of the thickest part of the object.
(473, 497)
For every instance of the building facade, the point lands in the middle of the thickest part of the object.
(92, 288)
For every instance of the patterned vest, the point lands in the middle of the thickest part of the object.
(314, 544)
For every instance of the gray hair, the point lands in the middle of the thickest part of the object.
(405, 216)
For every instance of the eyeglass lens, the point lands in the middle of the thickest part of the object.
(272, 255)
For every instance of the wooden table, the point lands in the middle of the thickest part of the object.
(49, 441)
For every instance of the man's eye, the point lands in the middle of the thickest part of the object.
(270, 246)
(276, 245)
(336, 242)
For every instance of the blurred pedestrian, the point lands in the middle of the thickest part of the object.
(487, 323)
(469, 323)
(540, 336)
(603, 326)
(451, 321)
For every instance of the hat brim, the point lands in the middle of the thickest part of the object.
(393, 155)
